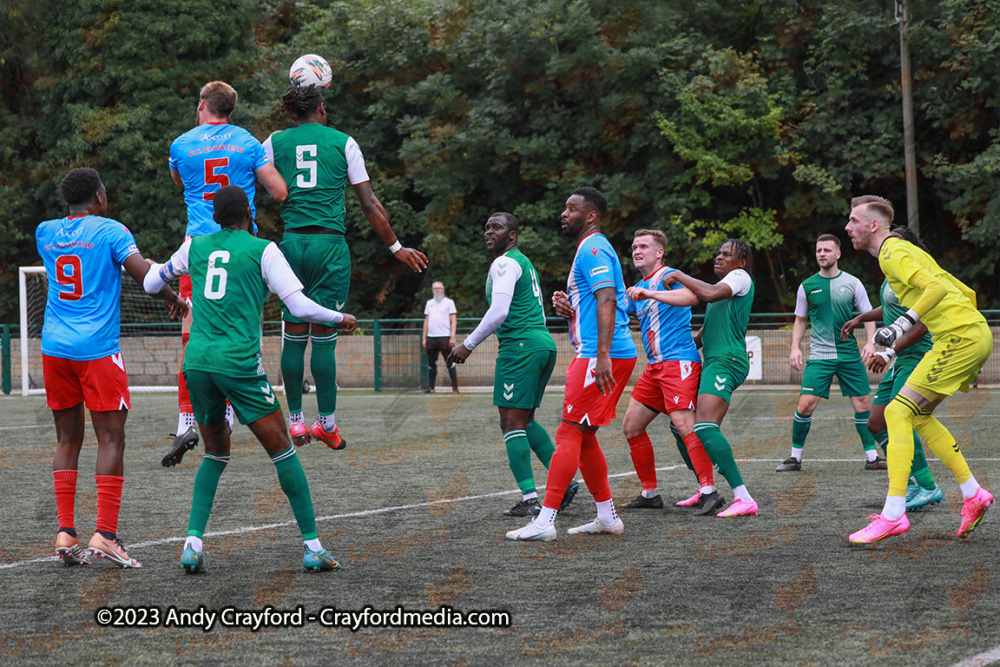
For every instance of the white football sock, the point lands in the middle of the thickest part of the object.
(606, 512)
(742, 493)
(185, 420)
(797, 453)
(296, 418)
(871, 455)
(705, 490)
(546, 518)
(895, 507)
(531, 496)
(650, 493)
(193, 542)
(969, 488)
(329, 422)
(314, 545)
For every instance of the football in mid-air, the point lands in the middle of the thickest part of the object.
(311, 70)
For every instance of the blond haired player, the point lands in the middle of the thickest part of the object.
(962, 343)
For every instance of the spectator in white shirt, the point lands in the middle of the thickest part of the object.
(440, 322)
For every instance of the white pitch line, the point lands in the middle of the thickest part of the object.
(985, 658)
(346, 515)
(383, 510)
(381, 420)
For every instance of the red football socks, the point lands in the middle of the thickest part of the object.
(109, 501)
(699, 460)
(641, 449)
(65, 482)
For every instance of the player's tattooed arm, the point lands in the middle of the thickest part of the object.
(606, 304)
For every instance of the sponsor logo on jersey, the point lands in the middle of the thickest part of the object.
(599, 269)
(69, 233)
(215, 137)
(815, 291)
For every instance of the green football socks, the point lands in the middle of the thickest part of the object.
(205, 484)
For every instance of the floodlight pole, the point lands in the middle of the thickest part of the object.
(909, 147)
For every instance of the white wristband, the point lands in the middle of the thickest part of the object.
(395, 247)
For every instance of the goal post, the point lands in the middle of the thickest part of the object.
(150, 341)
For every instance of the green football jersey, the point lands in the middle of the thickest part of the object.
(526, 318)
(312, 160)
(828, 303)
(228, 294)
(892, 310)
(725, 330)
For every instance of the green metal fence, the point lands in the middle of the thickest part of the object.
(387, 354)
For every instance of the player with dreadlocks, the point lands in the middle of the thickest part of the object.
(317, 162)
(725, 365)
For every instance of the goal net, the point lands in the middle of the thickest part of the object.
(150, 342)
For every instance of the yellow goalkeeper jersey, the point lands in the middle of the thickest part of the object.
(900, 260)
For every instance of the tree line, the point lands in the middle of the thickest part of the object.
(703, 118)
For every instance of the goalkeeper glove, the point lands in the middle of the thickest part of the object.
(886, 336)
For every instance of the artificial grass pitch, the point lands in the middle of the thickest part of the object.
(413, 510)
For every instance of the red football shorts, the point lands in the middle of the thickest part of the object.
(583, 403)
(668, 386)
(185, 288)
(100, 383)
(185, 283)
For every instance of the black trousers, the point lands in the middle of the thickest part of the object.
(436, 345)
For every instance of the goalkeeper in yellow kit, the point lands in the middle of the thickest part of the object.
(962, 343)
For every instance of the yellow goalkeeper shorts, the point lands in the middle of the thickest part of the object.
(955, 360)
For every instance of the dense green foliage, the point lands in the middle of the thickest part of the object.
(702, 118)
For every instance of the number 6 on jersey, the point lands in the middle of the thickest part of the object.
(213, 290)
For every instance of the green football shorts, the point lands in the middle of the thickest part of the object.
(251, 397)
(819, 374)
(521, 375)
(895, 378)
(721, 377)
(323, 263)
